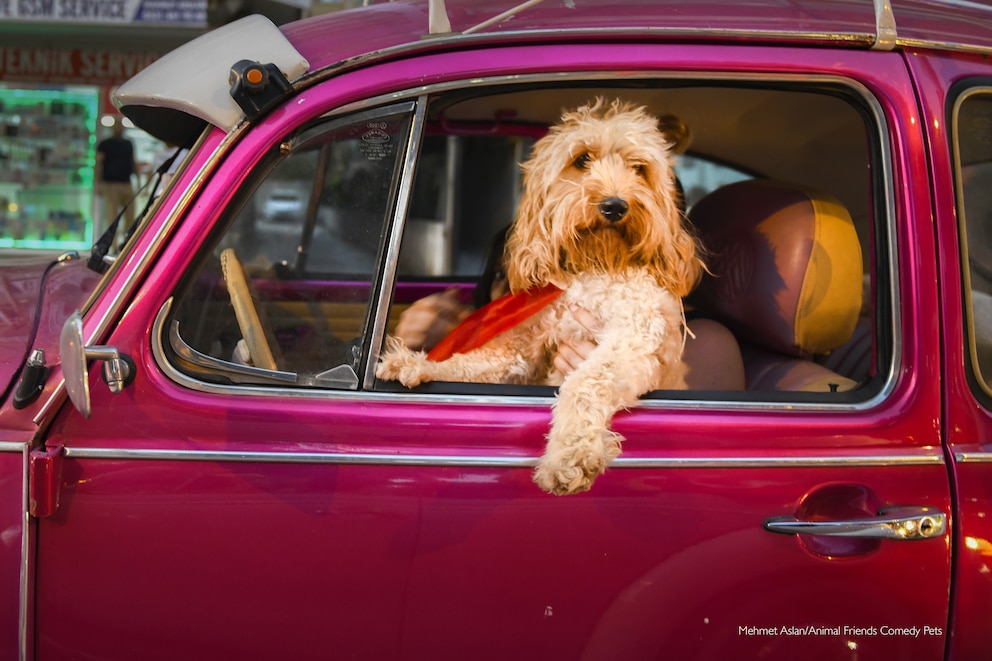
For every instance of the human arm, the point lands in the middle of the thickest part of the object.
(711, 353)
(428, 320)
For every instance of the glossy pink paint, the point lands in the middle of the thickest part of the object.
(327, 524)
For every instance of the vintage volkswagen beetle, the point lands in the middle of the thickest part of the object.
(192, 501)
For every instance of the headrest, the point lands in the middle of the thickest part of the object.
(785, 265)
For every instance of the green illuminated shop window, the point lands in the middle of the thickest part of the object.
(47, 154)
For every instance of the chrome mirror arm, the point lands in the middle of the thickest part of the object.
(118, 369)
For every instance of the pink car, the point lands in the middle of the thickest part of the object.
(197, 460)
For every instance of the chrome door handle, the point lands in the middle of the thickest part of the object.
(906, 523)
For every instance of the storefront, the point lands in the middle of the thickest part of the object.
(59, 62)
(47, 147)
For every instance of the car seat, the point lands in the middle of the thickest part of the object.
(785, 276)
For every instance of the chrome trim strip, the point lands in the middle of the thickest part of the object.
(973, 457)
(888, 194)
(231, 370)
(942, 46)
(374, 459)
(889, 223)
(968, 321)
(392, 256)
(525, 38)
(13, 446)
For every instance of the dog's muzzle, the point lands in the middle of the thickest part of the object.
(613, 209)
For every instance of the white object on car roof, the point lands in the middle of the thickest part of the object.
(194, 80)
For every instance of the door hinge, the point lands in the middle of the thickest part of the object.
(44, 481)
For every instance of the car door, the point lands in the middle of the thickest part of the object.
(959, 95)
(223, 505)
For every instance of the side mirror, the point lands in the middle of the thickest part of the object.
(118, 368)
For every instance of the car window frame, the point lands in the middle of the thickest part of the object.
(980, 381)
(175, 359)
(883, 261)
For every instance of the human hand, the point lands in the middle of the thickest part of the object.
(428, 320)
(572, 354)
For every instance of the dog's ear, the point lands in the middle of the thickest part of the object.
(679, 264)
(676, 132)
(684, 257)
(528, 247)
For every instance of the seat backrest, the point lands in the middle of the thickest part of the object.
(786, 278)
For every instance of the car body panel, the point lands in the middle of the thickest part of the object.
(922, 22)
(969, 427)
(32, 286)
(13, 457)
(208, 520)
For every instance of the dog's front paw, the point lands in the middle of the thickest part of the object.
(398, 363)
(571, 465)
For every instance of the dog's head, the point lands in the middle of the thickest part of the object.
(600, 195)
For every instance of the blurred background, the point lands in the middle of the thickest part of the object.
(60, 60)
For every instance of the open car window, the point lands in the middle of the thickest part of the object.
(338, 241)
(820, 340)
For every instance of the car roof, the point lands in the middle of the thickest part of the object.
(165, 100)
(858, 23)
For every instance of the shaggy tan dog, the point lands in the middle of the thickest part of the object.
(600, 220)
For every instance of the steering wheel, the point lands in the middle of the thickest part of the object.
(245, 302)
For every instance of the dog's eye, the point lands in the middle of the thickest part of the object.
(640, 168)
(582, 162)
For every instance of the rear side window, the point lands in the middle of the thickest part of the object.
(973, 126)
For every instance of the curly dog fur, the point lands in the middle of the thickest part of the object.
(600, 219)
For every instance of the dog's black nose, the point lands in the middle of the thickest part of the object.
(613, 209)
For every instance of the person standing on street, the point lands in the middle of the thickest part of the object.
(114, 168)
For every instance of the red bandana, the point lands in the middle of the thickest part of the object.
(493, 319)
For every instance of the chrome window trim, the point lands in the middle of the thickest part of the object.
(13, 446)
(538, 38)
(232, 371)
(926, 458)
(397, 222)
(886, 372)
(968, 322)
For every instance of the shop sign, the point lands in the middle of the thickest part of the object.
(71, 66)
(147, 12)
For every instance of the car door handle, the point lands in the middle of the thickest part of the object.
(905, 523)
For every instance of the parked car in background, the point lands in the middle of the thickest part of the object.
(197, 461)
(283, 204)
